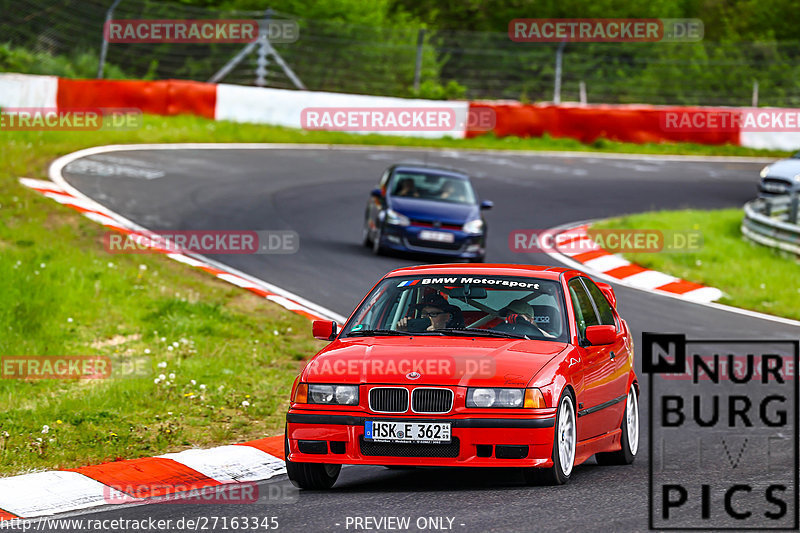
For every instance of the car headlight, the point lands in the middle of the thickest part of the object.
(764, 171)
(330, 394)
(474, 226)
(503, 398)
(396, 219)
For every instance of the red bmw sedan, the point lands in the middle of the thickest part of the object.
(466, 366)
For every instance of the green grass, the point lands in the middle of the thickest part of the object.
(61, 294)
(751, 276)
(76, 64)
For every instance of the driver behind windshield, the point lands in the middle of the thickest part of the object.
(406, 187)
(453, 192)
(518, 318)
(435, 308)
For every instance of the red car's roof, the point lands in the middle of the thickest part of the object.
(539, 271)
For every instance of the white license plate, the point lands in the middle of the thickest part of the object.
(437, 236)
(386, 431)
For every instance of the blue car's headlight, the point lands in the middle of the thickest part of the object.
(474, 226)
(396, 219)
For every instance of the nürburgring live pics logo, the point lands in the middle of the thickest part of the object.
(723, 433)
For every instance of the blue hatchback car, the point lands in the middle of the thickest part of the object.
(418, 208)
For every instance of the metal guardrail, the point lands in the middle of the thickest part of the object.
(773, 222)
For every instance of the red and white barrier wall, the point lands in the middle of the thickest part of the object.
(586, 123)
(626, 123)
(22, 90)
(277, 107)
(282, 107)
(144, 480)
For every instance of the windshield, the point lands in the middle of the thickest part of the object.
(433, 187)
(492, 306)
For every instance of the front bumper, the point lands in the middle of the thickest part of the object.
(771, 187)
(486, 441)
(406, 239)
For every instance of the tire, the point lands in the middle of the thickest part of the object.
(479, 259)
(630, 435)
(365, 240)
(310, 476)
(565, 441)
(377, 249)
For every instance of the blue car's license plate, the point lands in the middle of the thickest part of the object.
(436, 236)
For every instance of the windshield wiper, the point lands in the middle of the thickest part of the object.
(477, 332)
(376, 332)
(388, 332)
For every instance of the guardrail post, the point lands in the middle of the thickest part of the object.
(104, 46)
(754, 101)
(793, 208)
(418, 61)
(557, 82)
(262, 60)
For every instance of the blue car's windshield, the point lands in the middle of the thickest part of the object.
(433, 187)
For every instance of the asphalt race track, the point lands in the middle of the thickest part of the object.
(321, 194)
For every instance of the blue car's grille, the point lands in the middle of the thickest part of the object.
(412, 241)
(427, 224)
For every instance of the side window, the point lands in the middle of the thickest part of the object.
(603, 307)
(584, 310)
(384, 179)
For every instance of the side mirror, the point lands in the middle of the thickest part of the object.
(487, 204)
(376, 193)
(600, 335)
(324, 330)
(608, 292)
